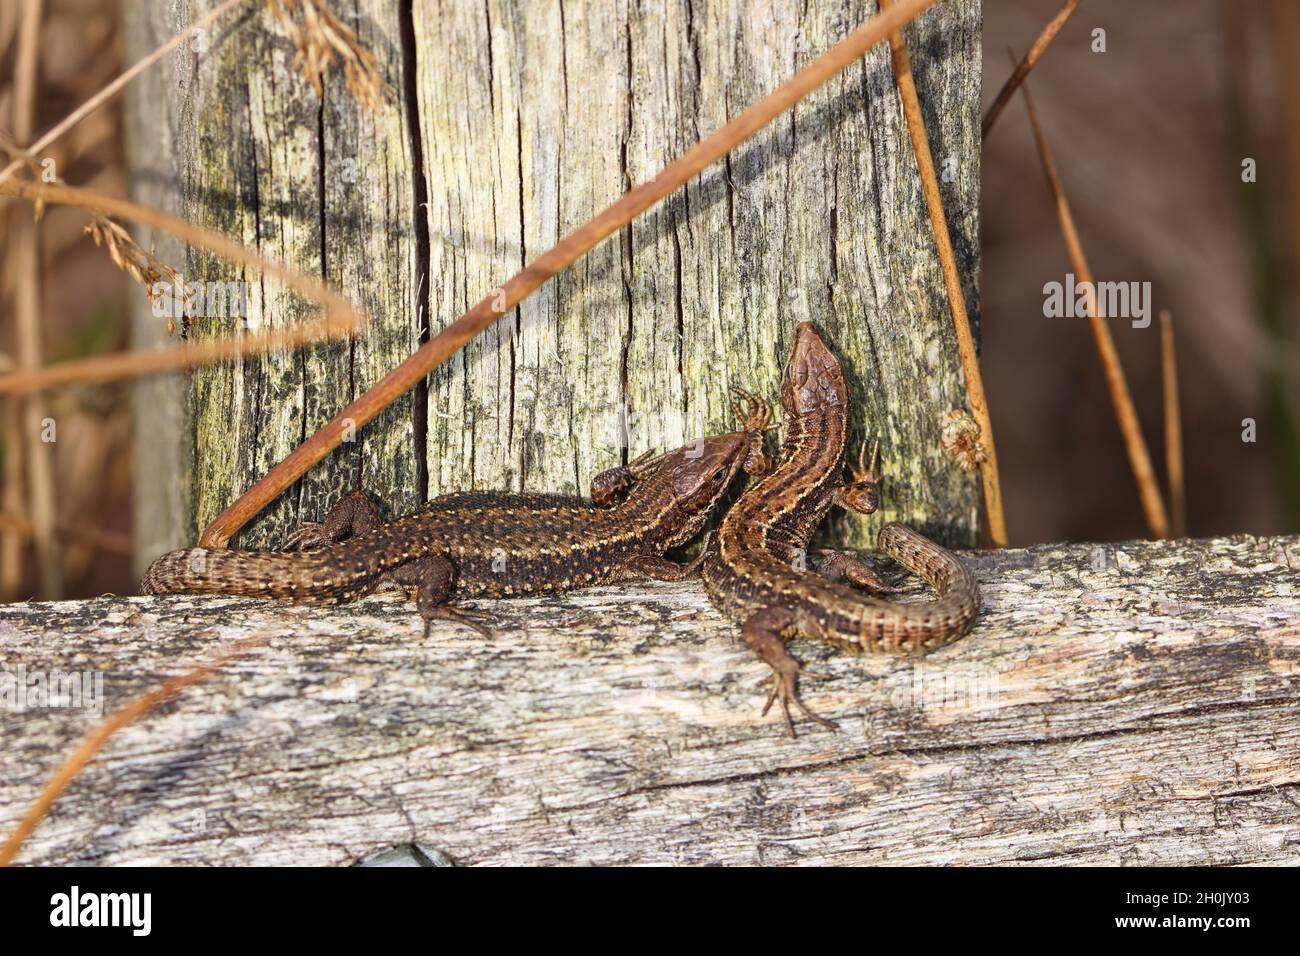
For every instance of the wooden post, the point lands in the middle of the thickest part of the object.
(513, 122)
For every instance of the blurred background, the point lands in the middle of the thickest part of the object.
(1149, 138)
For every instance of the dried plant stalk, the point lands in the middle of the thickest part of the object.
(341, 318)
(114, 542)
(1025, 65)
(12, 541)
(1287, 38)
(127, 254)
(323, 38)
(144, 267)
(1153, 505)
(28, 293)
(108, 92)
(1173, 428)
(94, 741)
(987, 457)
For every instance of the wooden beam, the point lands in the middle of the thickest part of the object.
(1116, 703)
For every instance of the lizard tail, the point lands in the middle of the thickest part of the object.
(325, 576)
(949, 616)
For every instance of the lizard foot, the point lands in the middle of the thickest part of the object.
(459, 616)
(784, 680)
(837, 565)
(307, 537)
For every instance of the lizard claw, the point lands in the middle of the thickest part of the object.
(810, 675)
(783, 689)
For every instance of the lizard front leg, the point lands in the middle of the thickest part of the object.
(659, 568)
(609, 486)
(355, 513)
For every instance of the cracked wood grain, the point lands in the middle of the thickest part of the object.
(327, 188)
(516, 122)
(1131, 703)
(538, 115)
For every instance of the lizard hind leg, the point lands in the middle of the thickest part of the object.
(355, 513)
(764, 633)
(659, 568)
(841, 566)
(431, 577)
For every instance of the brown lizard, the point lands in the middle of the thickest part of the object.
(754, 574)
(490, 544)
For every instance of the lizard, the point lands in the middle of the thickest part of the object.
(491, 544)
(755, 573)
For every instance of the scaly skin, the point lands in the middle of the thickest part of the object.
(488, 544)
(754, 574)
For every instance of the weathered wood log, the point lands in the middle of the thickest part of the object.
(512, 124)
(1131, 703)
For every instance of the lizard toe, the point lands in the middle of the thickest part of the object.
(785, 691)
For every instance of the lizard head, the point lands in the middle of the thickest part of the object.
(813, 379)
(696, 476)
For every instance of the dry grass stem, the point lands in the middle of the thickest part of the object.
(986, 459)
(12, 541)
(1173, 428)
(108, 92)
(1286, 21)
(1153, 505)
(113, 542)
(1025, 65)
(25, 252)
(142, 266)
(97, 738)
(340, 320)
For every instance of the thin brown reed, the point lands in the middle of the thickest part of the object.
(1025, 65)
(1173, 428)
(1153, 505)
(341, 318)
(94, 741)
(988, 461)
